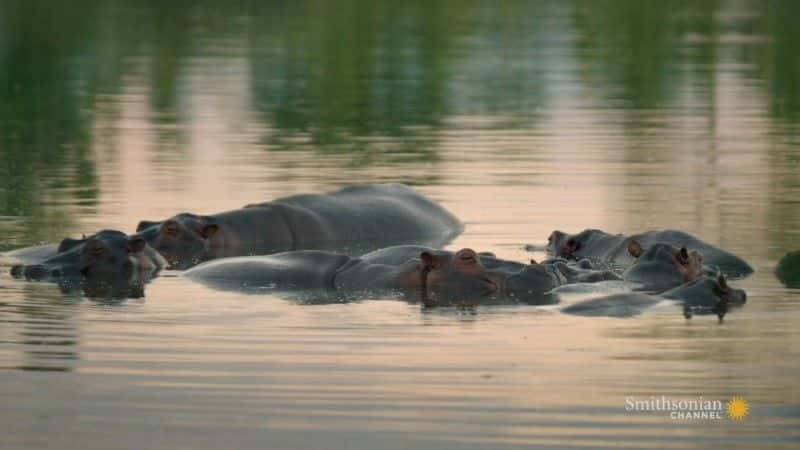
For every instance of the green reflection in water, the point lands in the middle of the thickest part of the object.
(44, 117)
(374, 81)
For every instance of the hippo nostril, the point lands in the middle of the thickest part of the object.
(17, 271)
(35, 272)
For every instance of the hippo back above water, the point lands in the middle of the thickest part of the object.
(706, 295)
(435, 277)
(597, 244)
(352, 220)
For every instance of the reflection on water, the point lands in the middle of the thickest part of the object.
(520, 117)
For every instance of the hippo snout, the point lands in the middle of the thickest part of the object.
(35, 272)
(17, 271)
(739, 297)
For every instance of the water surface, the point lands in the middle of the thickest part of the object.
(519, 118)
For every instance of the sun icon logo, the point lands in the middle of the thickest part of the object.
(737, 408)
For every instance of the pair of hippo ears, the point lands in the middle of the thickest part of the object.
(435, 260)
(171, 227)
(135, 244)
(636, 250)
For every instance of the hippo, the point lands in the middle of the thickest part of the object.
(109, 257)
(707, 295)
(352, 220)
(662, 266)
(788, 269)
(434, 277)
(599, 245)
(656, 269)
(583, 271)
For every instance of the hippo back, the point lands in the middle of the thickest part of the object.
(385, 213)
(627, 304)
(296, 270)
(730, 264)
(30, 255)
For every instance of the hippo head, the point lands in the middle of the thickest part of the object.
(107, 256)
(663, 266)
(461, 277)
(572, 246)
(708, 295)
(453, 277)
(184, 240)
(532, 283)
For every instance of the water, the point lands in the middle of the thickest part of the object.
(520, 118)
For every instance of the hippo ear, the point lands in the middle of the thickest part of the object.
(67, 244)
(683, 255)
(144, 224)
(572, 245)
(533, 262)
(430, 261)
(635, 249)
(209, 230)
(136, 244)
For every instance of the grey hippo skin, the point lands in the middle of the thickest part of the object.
(434, 277)
(30, 255)
(352, 220)
(107, 258)
(656, 269)
(707, 295)
(599, 245)
(583, 271)
(788, 269)
(662, 266)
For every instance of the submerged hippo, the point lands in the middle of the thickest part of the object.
(656, 269)
(30, 255)
(597, 244)
(662, 266)
(108, 257)
(583, 271)
(357, 218)
(435, 277)
(707, 295)
(788, 269)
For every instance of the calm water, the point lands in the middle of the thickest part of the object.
(519, 117)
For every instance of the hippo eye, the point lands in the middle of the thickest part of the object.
(97, 251)
(171, 230)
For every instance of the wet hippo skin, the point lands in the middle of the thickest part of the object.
(351, 220)
(707, 295)
(583, 271)
(597, 244)
(435, 277)
(106, 258)
(30, 255)
(662, 266)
